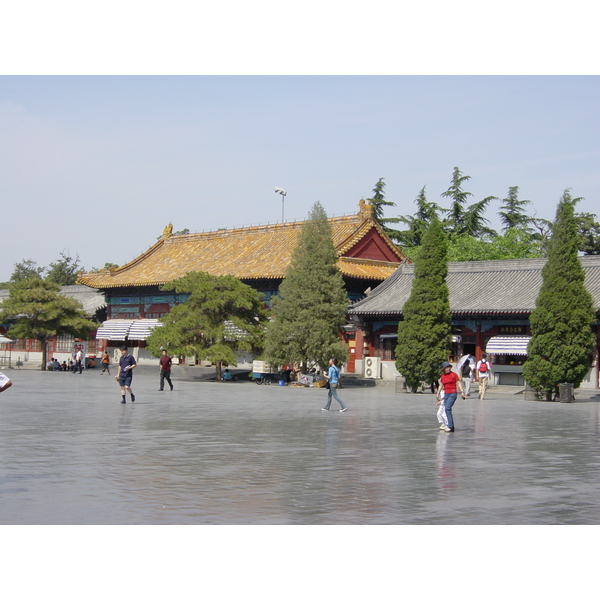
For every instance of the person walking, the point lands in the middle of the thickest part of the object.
(125, 373)
(78, 362)
(482, 373)
(466, 376)
(449, 381)
(165, 363)
(333, 378)
(105, 363)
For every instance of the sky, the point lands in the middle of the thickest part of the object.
(97, 166)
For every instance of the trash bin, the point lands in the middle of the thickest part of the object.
(565, 392)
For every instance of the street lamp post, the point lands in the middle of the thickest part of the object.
(283, 195)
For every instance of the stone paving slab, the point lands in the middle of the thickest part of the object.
(238, 453)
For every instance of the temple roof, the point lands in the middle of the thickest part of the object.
(477, 287)
(250, 253)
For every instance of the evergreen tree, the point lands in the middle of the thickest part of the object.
(26, 269)
(463, 219)
(424, 334)
(37, 310)
(378, 201)
(417, 224)
(64, 271)
(562, 340)
(312, 303)
(512, 212)
(221, 315)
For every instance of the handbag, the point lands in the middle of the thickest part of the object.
(327, 385)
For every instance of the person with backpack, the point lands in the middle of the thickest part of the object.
(482, 373)
(466, 376)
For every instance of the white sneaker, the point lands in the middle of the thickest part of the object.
(344, 409)
(324, 409)
(442, 426)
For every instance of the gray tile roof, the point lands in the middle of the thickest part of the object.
(90, 299)
(496, 286)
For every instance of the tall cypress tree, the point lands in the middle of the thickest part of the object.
(312, 303)
(425, 333)
(562, 340)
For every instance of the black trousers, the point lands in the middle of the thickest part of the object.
(165, 375)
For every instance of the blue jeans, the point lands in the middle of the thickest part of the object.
(449, 400)
(332, 392)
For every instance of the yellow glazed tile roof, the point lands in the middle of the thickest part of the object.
(262, 252)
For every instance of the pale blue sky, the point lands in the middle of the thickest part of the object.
(99, 165)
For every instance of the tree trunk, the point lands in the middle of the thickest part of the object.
(218, 367)
(44, 353)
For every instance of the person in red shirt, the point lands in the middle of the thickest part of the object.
(165, 370)
(449, 381)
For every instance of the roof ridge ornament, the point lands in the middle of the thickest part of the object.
(167, 231)
(365, 209)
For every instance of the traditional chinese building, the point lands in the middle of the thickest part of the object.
(258, 256)
(490, 301)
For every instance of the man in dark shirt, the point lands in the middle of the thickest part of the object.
(125, 373)
(165, 370)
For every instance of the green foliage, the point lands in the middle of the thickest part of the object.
(588, 233)
(378, 201)
(463, 219)
(562, 340)
(221, 316)
(419, 223)
(37, 310)
(64, 270)
(512, 212)
(424, 334)
(26, 269)
(515, 243)
(312, 303)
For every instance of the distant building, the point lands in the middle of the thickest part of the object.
(59, 347)
(490, 301)
(258, 256)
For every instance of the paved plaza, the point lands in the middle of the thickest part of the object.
(238, 453)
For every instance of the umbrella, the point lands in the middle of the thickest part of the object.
(462, 361)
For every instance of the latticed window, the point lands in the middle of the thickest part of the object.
(64, 343)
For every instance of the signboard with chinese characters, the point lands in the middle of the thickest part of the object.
(512, 329)
(79, 345)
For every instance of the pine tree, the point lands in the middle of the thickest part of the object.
(512, 213)
(312, 303)
(378, 201)
(37, 310)
(562, 339)
(221, 316)
(424, 334)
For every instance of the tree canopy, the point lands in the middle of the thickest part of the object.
(35, 309)
(562, 342)
(311, 304)
(220, 317)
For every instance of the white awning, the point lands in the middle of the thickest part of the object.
(504, 344)
(114, 329)
(132, 329)
(141, 329)
(5, 340)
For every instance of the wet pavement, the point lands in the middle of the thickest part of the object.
(238, 453)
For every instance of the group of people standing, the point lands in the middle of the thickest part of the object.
(451, 383)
